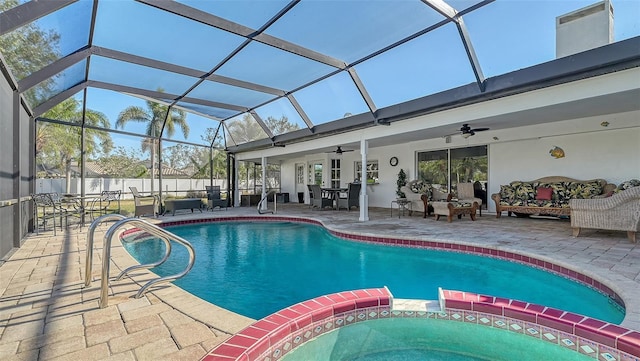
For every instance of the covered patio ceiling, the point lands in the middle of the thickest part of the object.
(327, 67)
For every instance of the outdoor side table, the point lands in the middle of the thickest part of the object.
(402, 204)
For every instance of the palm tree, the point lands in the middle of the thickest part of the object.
(154, 116)
(61, 144)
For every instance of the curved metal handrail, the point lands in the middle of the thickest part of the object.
(264, 199)
(92, 229)
(167, 252)
(153, 230)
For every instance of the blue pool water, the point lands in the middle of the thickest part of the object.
(258, 268)
(409, 339)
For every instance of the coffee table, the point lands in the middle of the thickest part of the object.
(173, 205)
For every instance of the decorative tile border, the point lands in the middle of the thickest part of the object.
(444, 246)
(275, 335)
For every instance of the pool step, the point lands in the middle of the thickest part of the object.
(403, 304)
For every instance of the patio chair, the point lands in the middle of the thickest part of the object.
(214, 198)
(466, 194)
(318, 199)
(107, 202)
(353, 197)
(48, 207)
(145, 204)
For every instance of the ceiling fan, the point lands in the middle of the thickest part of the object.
(340, 151)
(466, 131)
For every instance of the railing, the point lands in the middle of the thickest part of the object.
(265, 199)
(92, 228)
(151, 229)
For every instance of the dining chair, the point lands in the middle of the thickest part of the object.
(353, 197)
(47, 209)
(319, 199)
(214, 198)
(107, 202)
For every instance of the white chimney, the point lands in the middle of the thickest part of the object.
(584, 29)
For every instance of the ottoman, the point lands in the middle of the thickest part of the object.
(451, 209)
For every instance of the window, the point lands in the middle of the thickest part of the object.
(335, 173)
(444, 169)
(371, 171)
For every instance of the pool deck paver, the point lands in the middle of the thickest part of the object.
(46, 313)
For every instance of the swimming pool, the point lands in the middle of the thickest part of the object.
(257, 268)
(429, 339)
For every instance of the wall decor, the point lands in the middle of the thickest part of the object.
(557, 152)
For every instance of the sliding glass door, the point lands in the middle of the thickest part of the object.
(444, 169)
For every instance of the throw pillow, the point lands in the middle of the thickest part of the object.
(543, 194)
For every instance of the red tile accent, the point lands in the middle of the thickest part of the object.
(595, 335)
(361, 293)
(552, 312)
(324, 301)
(471, 297)
(337, 297)
(520, 314)
(458, 304)
(630, 343)
(254, 332)
(535, 308)
(384, 301)
(518, 304)
(614, 330)
(454, 295)
(504, 302)
(312, 305)
(488, 308)
(321, 314)
(557, 323)
(289, 313)
(228, 350)
(277, 319)
(279, 335)
(486, 299)
(572, 317)
(265, 325)
(367, 302)
(348, 295)
(241, 340)
(592, 323)
(344, 307)
(302, 322)
(217, 358)
(300, 308)
(258, 349)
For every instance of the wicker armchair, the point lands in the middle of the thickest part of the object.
(620, 212)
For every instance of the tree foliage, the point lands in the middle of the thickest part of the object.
(121, 163)
(245, 130)
(59, 145)
(154, 118)
(27, 50)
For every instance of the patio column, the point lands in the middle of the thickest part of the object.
(364, 198)
(236, 191)
(263, 206)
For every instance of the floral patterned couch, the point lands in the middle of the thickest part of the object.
(547, 195)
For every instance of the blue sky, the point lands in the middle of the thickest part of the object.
(507, 35)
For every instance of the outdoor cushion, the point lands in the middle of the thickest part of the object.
(543, 193)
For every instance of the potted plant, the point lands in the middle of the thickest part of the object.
(402, 181)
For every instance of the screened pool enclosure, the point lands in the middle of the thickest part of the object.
(170, 96)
